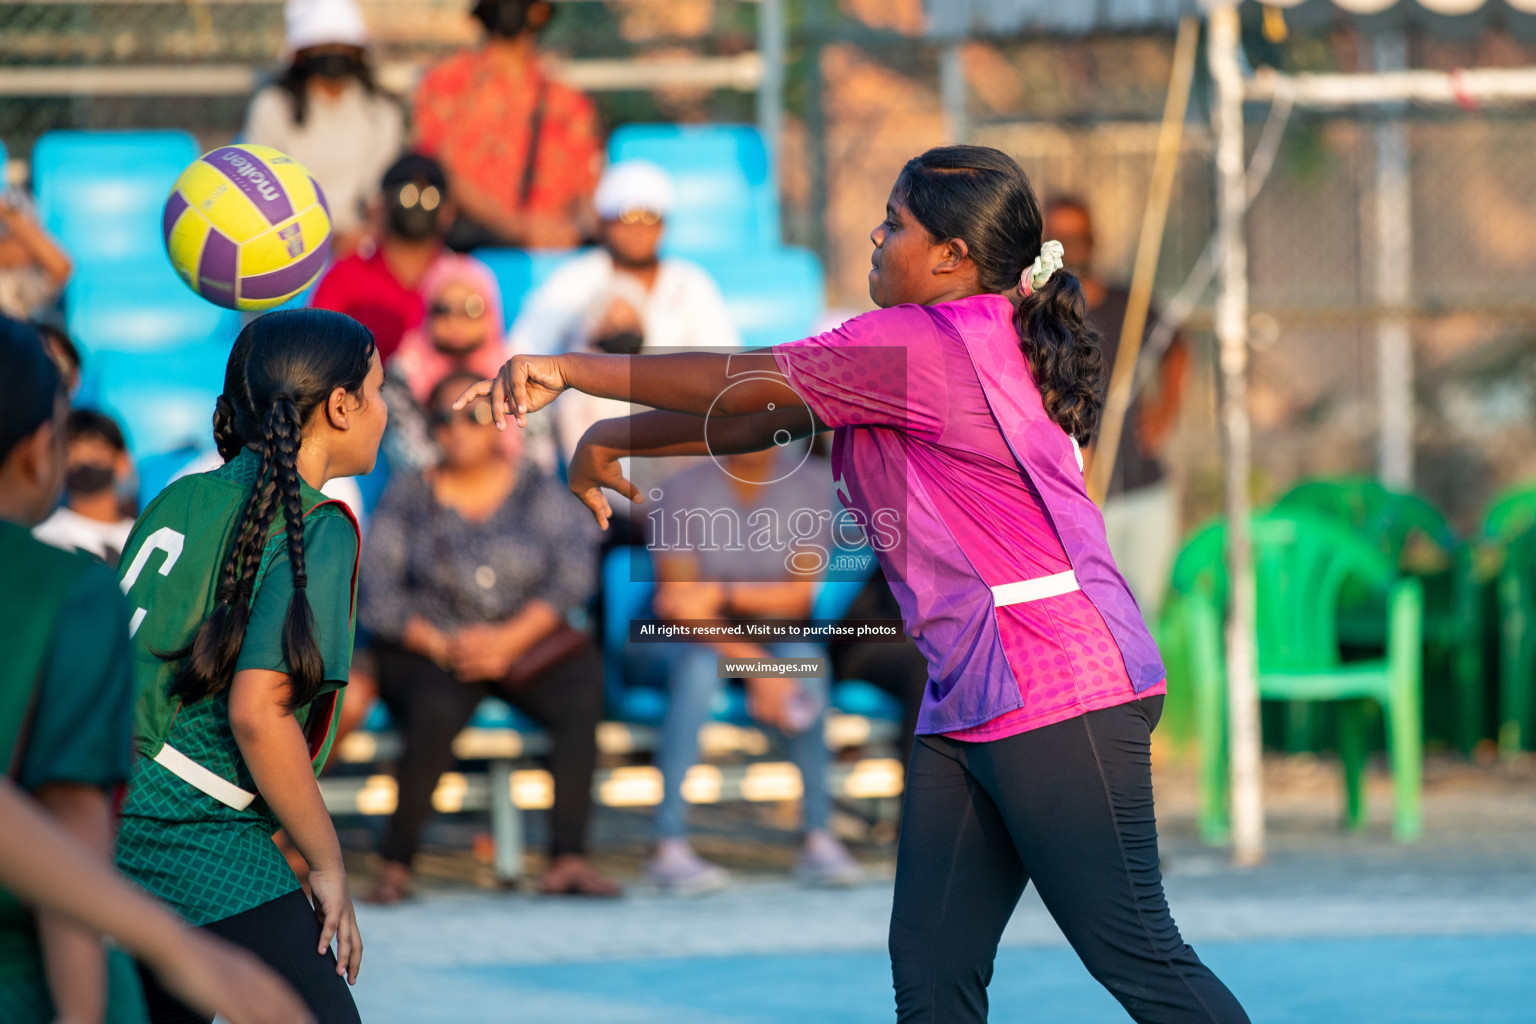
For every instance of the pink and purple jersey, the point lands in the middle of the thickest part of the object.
(942, 443)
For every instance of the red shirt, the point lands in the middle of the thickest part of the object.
(476, 118)
(363, 287)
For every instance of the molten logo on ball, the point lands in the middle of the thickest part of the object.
(247, 228)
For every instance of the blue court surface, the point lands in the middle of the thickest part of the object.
(1487, 979)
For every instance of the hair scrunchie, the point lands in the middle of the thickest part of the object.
(1047, 263)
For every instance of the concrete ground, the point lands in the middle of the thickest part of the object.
(1333, 927)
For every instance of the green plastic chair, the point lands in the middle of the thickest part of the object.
(1500, 577)
(1198, 565)
(1302, 564)
(1416, 537)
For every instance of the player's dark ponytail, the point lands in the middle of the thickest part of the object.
(980, 195)
(282, 369)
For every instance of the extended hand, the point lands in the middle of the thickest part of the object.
(593, 467)
(525, 384)
(768, 700)
(333, 906)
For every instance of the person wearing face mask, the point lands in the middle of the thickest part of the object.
(463, 332)
(522, 151)
(327, 112)
(623, 297)
(379, 285)
(91, 519)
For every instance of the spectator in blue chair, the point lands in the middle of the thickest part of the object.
(379, 285)
(469, 572)
(91, 519)
(706, 568)
(33, 268)
(327, 112)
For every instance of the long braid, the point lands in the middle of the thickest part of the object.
(215, 648)
(282, 369)
(306, 668)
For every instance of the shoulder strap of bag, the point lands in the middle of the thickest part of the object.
(535, 136)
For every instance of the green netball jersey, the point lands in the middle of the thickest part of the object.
(187, 843)
(66, 703)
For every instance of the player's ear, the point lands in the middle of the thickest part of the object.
(339, 408)
(952, 252)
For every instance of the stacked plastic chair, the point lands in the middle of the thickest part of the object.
(1303, 567)
(1416, 537)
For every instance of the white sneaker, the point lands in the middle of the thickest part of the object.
(676, 869)
(826, 862)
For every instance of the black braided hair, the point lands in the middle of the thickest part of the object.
(982, 196)
(282, 369)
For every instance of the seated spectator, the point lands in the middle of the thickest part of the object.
(91, 519)
(327, 112)
(469, 572)
(463, 334)
(379, 284)
(33, 269)
(622, 297)
(724, 577)
(521, 150)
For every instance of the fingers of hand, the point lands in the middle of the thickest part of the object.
(499, 400)
(473, 392)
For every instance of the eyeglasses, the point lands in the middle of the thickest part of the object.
(473, 308)
(427, 197)
(478, 413)
(646, 217)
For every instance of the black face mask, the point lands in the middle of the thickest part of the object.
(89, 479)
(504, 18)
(620, 343)
(332, 65)
(412, 223)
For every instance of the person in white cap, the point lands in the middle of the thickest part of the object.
(327, 112)
(623, 296)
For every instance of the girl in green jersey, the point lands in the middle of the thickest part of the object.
(242, 583)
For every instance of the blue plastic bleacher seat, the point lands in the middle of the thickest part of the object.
(102, 195)
(519, 271)
(727, 199)
(774, 295)
(164, 401)
(861, 697)
(148, 310)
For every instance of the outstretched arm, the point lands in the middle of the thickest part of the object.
(43, 867)
(695, 383)
(595, 463)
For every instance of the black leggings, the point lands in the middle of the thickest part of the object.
(1068, 806)
(430, 706)
(283, 933)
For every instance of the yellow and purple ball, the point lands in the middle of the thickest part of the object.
(247, 228)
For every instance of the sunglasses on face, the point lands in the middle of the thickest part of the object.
(473, 308)
(646, 217)
(478, 413)
(427, 196)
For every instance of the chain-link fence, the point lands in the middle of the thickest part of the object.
(193, 64)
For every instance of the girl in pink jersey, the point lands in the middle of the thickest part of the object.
(958, 409)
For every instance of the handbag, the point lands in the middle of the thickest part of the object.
(551, 650)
